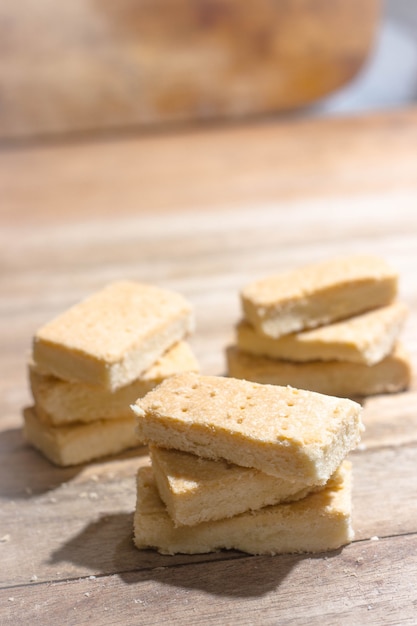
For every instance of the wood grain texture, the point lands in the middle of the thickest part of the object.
(369, 582)
(97, 66)
(66, 534)
(209, 169)
(84, 525)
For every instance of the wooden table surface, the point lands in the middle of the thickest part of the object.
(202, 212)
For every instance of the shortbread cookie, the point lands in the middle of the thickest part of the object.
(365, 338)
(197, 490)
(321, 521)
(297, 435)
(113, 336)
(318, 294)
(335, 378)
(61, 402)
(79, 443)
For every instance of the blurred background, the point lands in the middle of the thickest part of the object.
(94, 66)
(389, 75)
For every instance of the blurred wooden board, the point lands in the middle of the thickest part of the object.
(91, 65)
(203, 213)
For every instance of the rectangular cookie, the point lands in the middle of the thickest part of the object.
(366, 338)
(336, 378)
(113, 336)
(286, 432)
(79, 443)
(321, 521)
(318, 294)
(61, 402)
(196, 490)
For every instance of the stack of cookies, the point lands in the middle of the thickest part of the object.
(90, 363)
(332, 327)
(240, 465)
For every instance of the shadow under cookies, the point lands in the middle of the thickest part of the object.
(106, 547)
(26, 473)
(226, 573)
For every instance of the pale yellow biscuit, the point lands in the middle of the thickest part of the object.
(61, 402)
(79, 443)
(197, 490)
(365, 338)
(321, 521)
(318, 294)
(113, 336)
(335, 378)
(297, 435)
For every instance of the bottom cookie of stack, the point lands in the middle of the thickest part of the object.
(321, 521)
(79, 443)
(337, 378)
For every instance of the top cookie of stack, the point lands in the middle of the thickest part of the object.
(331, 327)
(92, 361)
